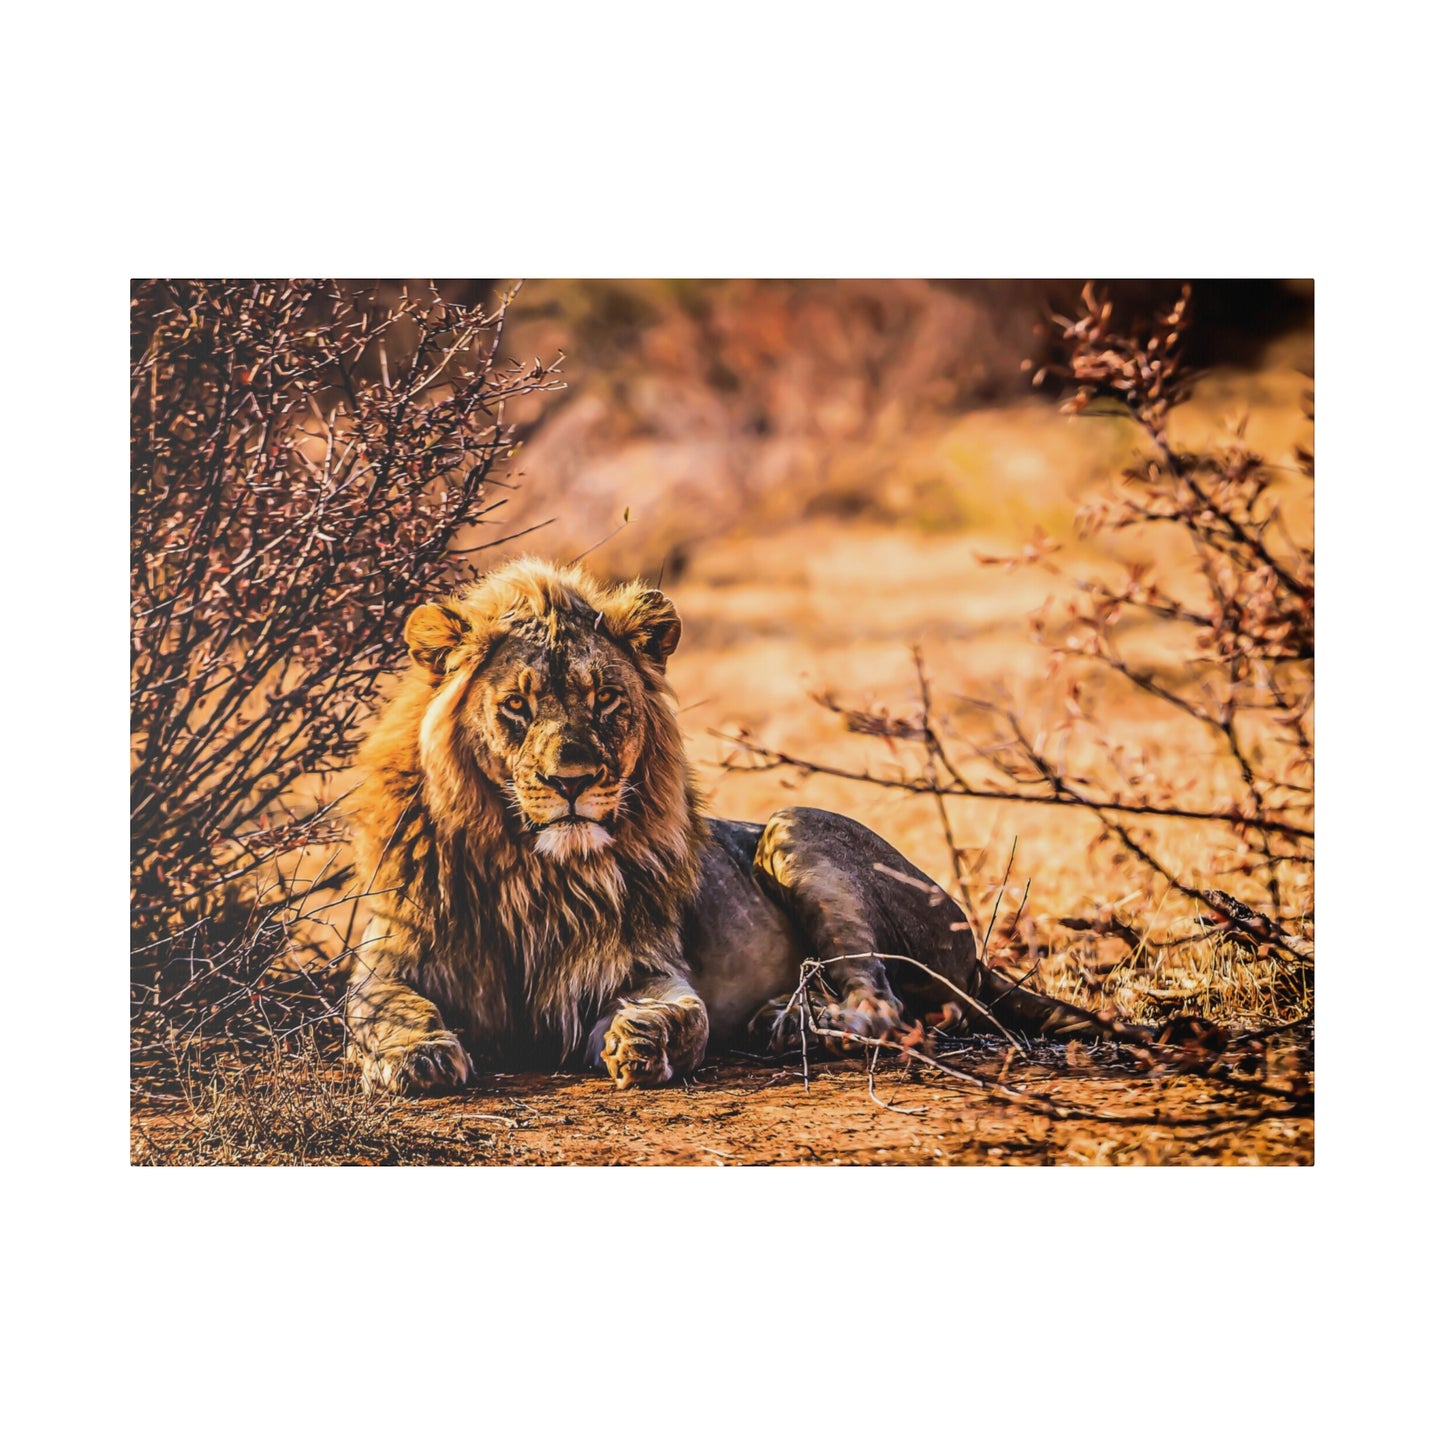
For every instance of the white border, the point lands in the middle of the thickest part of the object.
(1241, 140)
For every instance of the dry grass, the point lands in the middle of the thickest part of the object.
(1221, 979)
(295, 1106)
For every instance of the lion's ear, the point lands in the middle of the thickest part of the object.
(432, 633)
(647, 622)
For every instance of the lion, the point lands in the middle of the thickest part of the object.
(546, 891)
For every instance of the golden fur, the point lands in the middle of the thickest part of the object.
(519, 928)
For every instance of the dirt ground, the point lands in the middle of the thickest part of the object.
(1064, 1105)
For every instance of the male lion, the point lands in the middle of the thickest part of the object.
(546, 888)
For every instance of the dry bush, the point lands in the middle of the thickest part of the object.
(304, 456)
(1216, 652)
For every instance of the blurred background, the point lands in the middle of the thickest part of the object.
(815, 469)
(712, 409)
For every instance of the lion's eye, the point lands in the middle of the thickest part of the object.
(607, 698)
(515, 706)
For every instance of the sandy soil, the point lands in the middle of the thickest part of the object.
(752, 1113)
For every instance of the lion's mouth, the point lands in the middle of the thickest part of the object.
(535, 825)
(570, 837)
(570, 825)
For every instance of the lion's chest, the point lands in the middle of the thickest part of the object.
(525, 972)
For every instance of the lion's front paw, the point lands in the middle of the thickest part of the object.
(647, 1043)
(431, 1061)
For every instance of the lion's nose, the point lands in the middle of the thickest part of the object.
(570, 785)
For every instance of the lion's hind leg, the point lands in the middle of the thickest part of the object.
(891, 943)
(804, 866)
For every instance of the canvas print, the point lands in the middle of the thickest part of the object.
(722, 722)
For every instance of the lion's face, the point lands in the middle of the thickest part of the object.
(556, 721)
(552, 705)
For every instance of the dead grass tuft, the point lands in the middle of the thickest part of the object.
(298, 1107)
